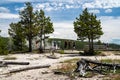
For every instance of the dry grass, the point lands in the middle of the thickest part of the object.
(66, 67)
(112, 77)
(111, 61)
(9, 58)
(116, 77)
(74, 60)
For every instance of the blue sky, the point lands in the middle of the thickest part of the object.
(63, 14)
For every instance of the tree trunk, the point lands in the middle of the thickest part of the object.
(41, 49)
(30, 45)
(21, 46)
(44, 41)
(89, 44)
(30, 33)
(92, 45)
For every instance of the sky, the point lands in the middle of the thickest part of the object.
(63, 13)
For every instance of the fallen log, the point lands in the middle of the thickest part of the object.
(13, 63)
(2, 65)
(28, 68)
(100, 63)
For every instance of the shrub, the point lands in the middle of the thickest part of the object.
(61, 52)
(3, 46)
(97, 53)
(88, 53)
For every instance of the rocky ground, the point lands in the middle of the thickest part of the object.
(43, 73)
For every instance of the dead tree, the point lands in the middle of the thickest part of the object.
(85, 65)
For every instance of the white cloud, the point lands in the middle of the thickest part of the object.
(108, 10)
(4, 10)
(88, 5)
(15, 1)
(49, 9)
(94, 11)
(102, 4)
(4, 25)
(18, 0)
(64, 30)
(72, 3)
(53, 6)
(69, 6)
(4, 30)
(58, 5)
(20, 9)
(8, 16)
(45, 6)
(111, 28)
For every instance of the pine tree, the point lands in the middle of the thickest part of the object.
(86, 26)
(17, 34)
(28, 23)
(45, 24)
(32, 24)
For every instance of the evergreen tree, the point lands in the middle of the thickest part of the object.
(3, 45)
(17, 34)
(45, 24)
(86, 26)
(30, 25)
(28, 22)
